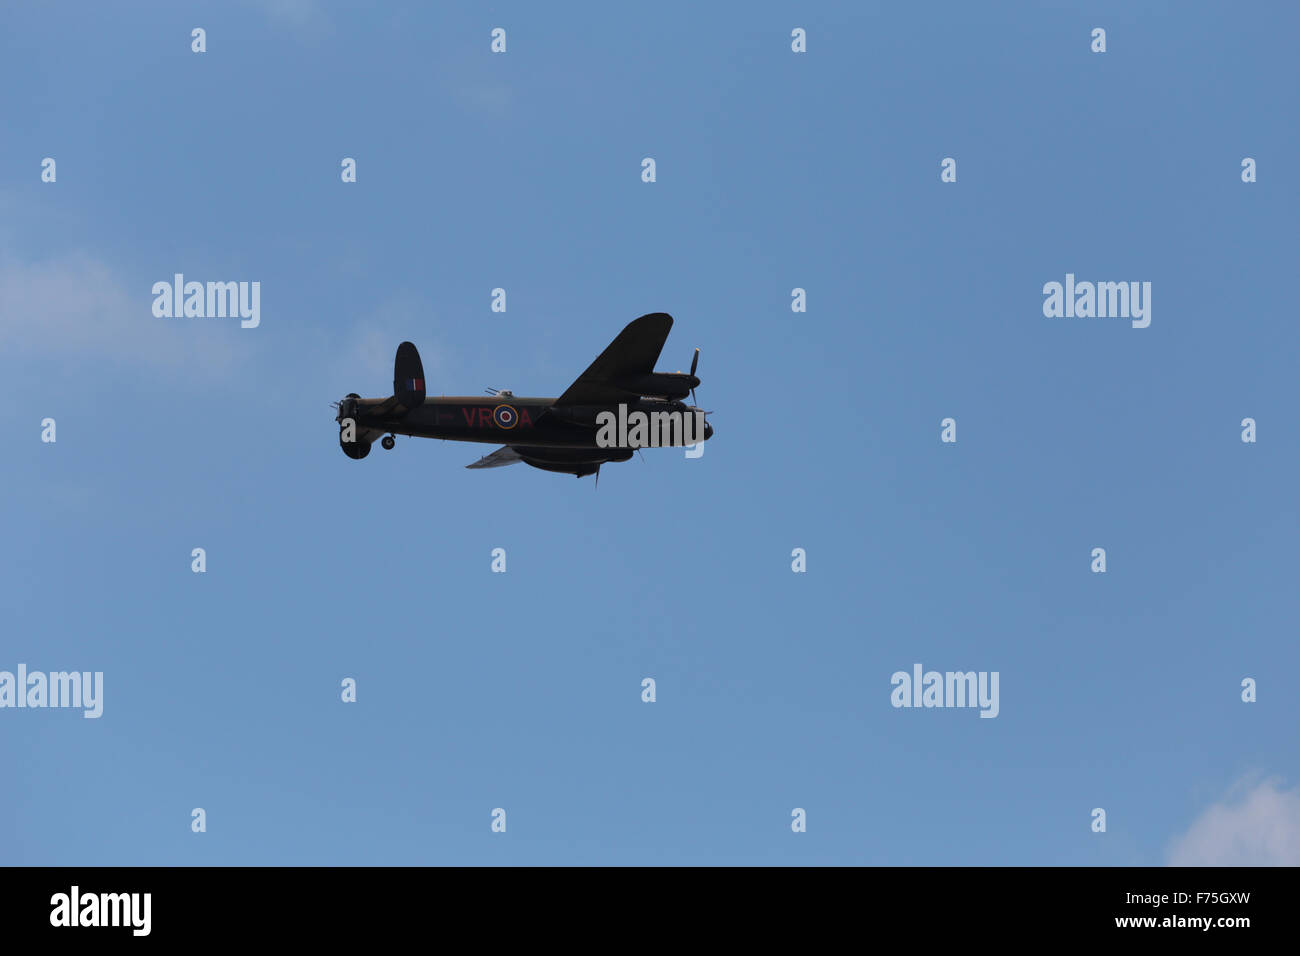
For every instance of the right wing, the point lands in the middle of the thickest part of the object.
(632, 353)
(505, 455)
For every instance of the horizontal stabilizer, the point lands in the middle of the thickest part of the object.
(505, 455)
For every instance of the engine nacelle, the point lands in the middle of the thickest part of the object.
(660, 384)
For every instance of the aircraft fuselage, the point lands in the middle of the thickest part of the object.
(535, 422)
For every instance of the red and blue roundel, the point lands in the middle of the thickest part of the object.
(505, 416)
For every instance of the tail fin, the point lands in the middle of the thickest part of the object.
(408, 376)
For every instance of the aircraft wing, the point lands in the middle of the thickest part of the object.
(505, 455)
(633, 352)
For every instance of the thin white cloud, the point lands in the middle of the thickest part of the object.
(75, 306)
(1261, 827)
(362, 358)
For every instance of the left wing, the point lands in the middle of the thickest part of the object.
(505, 455)
(632, 353)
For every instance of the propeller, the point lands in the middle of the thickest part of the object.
(695, 361)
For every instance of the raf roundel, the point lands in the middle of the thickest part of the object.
(505, 416)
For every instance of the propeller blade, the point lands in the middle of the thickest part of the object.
(695, 362)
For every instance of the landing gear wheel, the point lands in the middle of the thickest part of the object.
(388, 441)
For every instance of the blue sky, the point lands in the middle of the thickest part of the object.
(522, 690)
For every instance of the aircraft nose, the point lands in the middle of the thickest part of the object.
(708, 431)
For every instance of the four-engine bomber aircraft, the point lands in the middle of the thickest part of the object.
(617, 404)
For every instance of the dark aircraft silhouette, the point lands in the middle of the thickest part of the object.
(595, 420)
